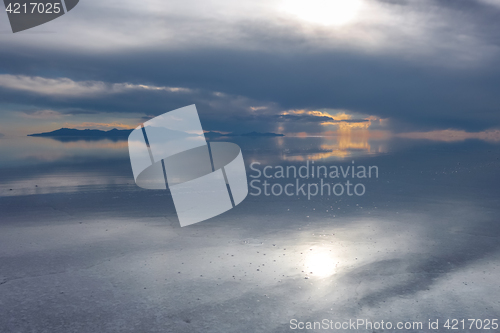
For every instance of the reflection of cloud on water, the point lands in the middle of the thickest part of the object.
(61, 183)
(102, 144)
(29, 150)
(454, 135)
(427, 251)
(345, 143)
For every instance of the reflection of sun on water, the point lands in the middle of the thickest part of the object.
(325, 12)
(320, 264)
(341, 145)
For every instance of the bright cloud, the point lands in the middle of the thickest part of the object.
(411, 28)
(65, 87)
(341, 119)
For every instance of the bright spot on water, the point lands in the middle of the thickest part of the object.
(321, 264)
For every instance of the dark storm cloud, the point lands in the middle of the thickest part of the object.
(415, 90)
(434, 98)
(72, 111)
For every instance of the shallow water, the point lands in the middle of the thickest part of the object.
(83, 249)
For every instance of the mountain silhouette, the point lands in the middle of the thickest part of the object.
(73, 134)
(86, 133)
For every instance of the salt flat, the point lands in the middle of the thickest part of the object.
(109, 257)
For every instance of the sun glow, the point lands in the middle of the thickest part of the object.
(324, 12)
(320, 264)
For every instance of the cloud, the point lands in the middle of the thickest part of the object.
(429, 31)
(424, 64)
(42, 114)
(78, 111)
(65, 87)
(343, 120)
(495, 3)
(101, 126)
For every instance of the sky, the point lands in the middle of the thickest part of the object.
(416, 68)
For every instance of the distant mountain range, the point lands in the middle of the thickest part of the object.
(86, 133)
(70, 134)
